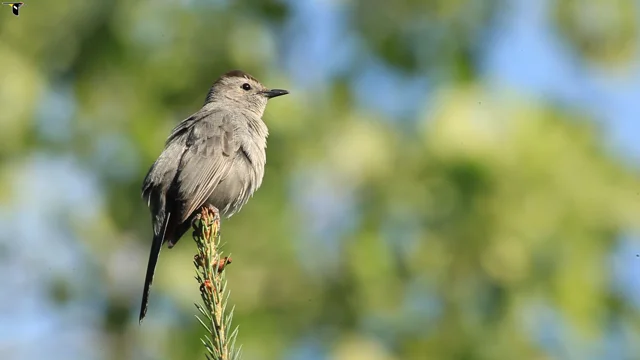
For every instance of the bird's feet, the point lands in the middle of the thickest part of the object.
(212, 211)
(208, 213)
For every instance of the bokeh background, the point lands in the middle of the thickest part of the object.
(449, 179)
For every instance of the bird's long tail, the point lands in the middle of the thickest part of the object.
(156, 246)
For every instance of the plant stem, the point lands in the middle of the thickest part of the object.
(210, 274)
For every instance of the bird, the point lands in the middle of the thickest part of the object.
(15, 7)
(215, 157)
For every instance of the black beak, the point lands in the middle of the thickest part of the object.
(274, 93)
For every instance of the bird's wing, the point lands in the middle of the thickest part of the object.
(183, 126)
(211, 147)
(163, 170)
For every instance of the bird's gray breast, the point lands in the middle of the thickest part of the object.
(244, 178)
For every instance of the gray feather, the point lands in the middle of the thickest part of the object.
(210, 145)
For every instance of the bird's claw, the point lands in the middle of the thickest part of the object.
(211, 211)
(208, 213)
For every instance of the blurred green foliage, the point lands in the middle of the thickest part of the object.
(490, 206)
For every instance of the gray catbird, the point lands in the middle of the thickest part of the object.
(215, 157)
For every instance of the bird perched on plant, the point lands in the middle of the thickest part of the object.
(215, 157)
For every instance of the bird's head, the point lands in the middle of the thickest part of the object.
(242, 90)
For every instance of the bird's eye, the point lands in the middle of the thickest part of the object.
(246, 86)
